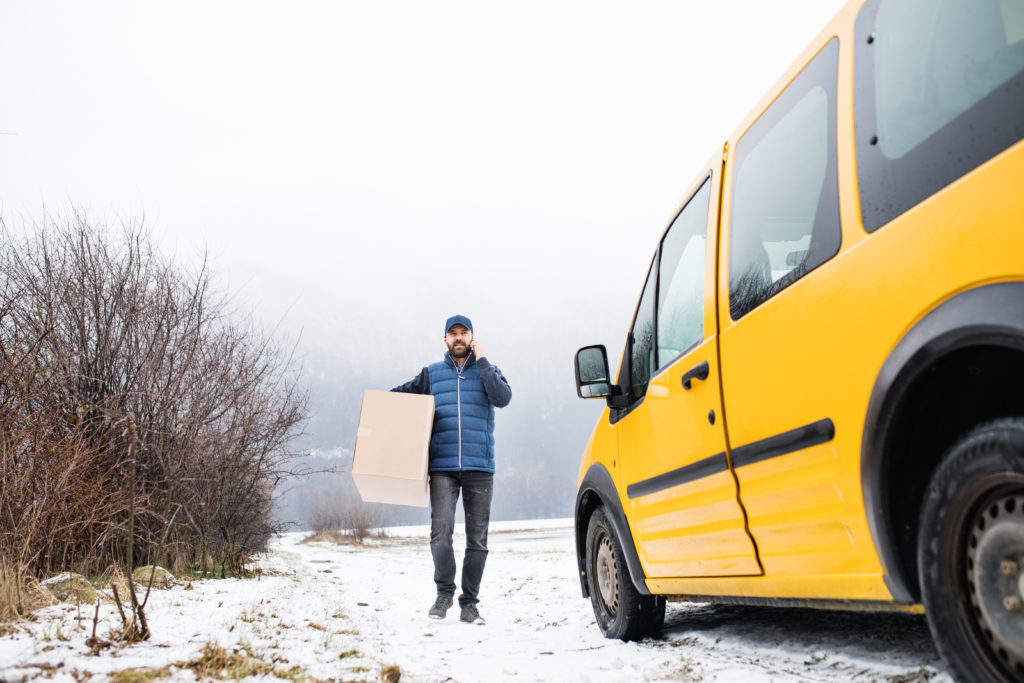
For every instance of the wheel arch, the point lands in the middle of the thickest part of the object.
(953, 369)
(598, 490)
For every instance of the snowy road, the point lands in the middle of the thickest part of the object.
(343, 612)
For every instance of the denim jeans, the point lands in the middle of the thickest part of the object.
(477, 488)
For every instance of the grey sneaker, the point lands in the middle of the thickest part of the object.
(440, 608)
(471, 615)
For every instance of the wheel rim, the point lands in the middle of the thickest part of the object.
(995, 576)
(607, 575)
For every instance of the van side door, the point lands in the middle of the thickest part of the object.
(789, 348)
(681, 493)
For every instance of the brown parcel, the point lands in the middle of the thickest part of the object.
(390, 460)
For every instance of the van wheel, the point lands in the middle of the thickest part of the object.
(971, 554)
(620, 610)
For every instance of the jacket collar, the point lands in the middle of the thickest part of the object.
(451, 361)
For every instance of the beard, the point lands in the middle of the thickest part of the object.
(458, 350)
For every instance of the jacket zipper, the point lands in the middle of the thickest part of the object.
(458, 403)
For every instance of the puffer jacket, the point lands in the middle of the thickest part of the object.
(464, 403)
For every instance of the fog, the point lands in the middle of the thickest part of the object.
(357, 172)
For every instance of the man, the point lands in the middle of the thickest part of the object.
(466, 389)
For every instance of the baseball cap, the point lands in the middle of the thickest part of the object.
(458, 320)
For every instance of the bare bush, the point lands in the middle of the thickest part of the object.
(351, 517)
(140, 419)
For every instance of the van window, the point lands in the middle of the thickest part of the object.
(785, 204)
(939, 89)
(681, 278)
(641, 347)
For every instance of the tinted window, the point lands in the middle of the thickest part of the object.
(641, 348)
(681, 280)
(785, 205)
(939, 90)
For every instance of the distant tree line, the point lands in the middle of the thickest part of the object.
(141, 420)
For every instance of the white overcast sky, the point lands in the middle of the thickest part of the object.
(385, 164)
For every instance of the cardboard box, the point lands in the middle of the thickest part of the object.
(390, 461)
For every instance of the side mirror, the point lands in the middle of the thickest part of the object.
(592, 373)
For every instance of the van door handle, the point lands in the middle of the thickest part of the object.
(698, 371)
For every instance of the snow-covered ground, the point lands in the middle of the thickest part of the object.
(344, 613)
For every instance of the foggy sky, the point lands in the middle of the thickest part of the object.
(359, 171)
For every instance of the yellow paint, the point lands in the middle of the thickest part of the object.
(812, 351)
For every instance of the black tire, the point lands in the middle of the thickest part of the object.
(621, 611)
(971, 554)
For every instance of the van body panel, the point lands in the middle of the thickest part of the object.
(695, 528)
(778, 497)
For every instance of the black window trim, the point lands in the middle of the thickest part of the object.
(626, 369)
(703, 332)
(831, 176)
(889, 188)
(625, 375)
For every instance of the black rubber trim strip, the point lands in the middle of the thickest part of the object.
(797, 439)
(810, 603)
(696, 470)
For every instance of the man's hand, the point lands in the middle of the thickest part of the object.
(478, 349)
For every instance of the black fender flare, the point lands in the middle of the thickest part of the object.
(598, 483)
(990, 314)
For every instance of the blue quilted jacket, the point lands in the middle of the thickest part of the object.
(464, 403)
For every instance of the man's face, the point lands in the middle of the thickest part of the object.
(457, 340)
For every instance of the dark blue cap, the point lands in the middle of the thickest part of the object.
(458, 320)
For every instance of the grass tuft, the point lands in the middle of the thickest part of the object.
(161, 577)
(391, 673)
(20, 594)
(216, 662)
(139, 675)
(71, 587)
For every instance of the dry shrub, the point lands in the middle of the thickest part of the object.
(391, 673)
(142, 420)
(326, 537)
(351, 519)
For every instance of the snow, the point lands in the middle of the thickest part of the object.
(343, 612)
(56, 579)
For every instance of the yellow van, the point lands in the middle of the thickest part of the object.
(821, 397)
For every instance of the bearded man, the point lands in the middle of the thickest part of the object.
(466, 388)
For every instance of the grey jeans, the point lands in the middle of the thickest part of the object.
(476, 488)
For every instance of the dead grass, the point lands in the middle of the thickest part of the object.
(216, 662)
(140, 675)
(73, 588)
(391, 673)
(344, 537)
(354, 520)
(161, 577)
(20, 594)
